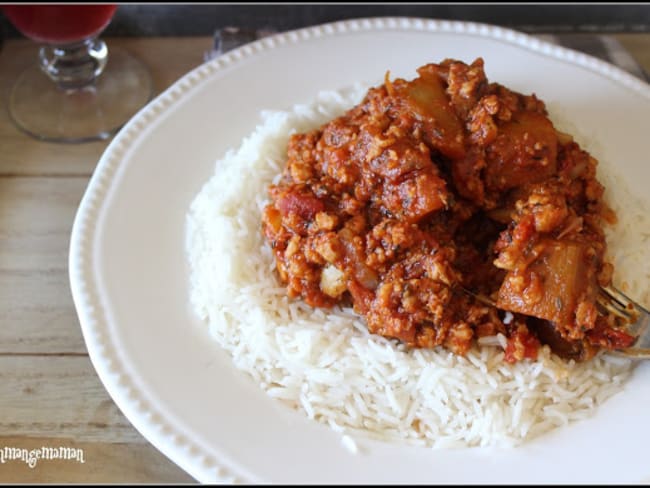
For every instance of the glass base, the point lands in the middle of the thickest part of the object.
(97, 111)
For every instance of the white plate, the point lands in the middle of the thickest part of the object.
(129, 275)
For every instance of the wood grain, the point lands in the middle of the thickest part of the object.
(58, 401)
(36, 216)
(638, 46)
(38, 316)
(37, 312)
(58, 396)
(50, 393)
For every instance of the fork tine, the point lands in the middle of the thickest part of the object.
(481, 298)
(614, 307)
(617, 295)
(639, 324)
(616, 302)
(623, 299)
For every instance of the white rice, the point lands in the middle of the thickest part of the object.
(325, 364)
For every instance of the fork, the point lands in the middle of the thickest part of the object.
(616, 302)
(637, 317)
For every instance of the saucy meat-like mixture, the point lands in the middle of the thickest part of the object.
(445, 209)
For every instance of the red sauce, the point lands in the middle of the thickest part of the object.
(59, 23)
(521, 345)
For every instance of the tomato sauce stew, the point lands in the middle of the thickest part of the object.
(435, 191)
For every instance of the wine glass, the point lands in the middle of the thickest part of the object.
(76, 92)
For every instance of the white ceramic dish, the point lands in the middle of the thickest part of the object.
(129, 275)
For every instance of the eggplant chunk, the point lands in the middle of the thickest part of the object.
(525, 151)
(554, 284)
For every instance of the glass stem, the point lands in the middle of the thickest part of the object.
(73, 66)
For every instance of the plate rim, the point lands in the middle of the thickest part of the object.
(93, 319)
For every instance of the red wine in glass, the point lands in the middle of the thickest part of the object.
(76, 92)
(59, 24)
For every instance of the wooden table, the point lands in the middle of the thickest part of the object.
(50, 394)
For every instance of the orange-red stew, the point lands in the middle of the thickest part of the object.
(439, 185)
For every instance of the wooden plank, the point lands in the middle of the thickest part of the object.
(85, 462)
(59, 396)
(58, 401)
(639, 47)
(36, 216)
(49, 391)
(167, 58)
(37, 314)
